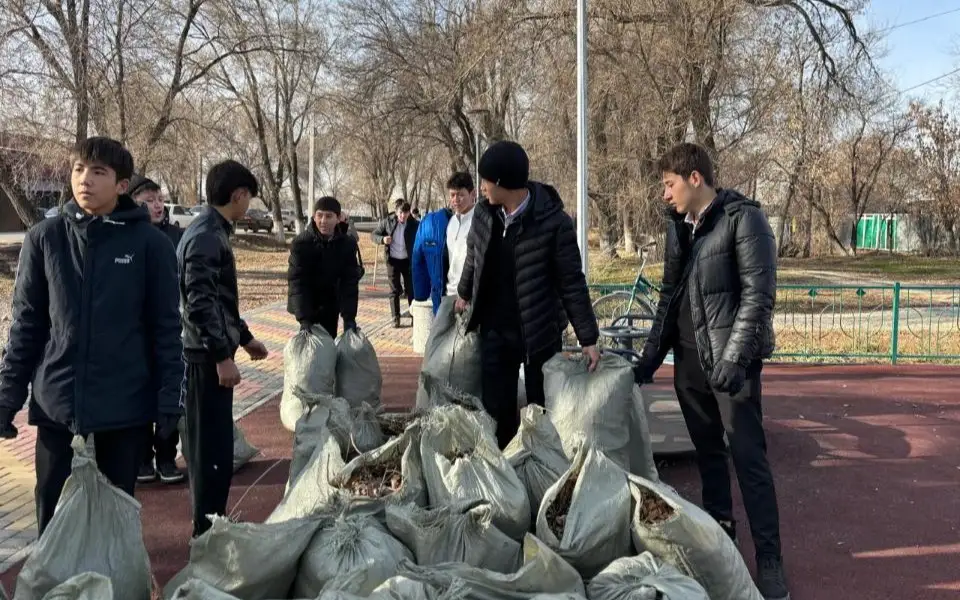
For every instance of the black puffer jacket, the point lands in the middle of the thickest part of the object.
(209, 300)
(549, 273)
(732, 284)
(323, 276)
(96, 328)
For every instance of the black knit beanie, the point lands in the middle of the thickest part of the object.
(139, 183)
(506, 165)
(328, 204)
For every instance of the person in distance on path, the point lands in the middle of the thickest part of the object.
(212, 333)
(397, 234)
(715, 312)
(96, 328)
(522, 272)
(147, 193)
(323, 279)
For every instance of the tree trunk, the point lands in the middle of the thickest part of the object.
(629, 244)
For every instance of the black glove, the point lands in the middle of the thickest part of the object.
(643, 372)
(349, 325)
(8, 430)
(167, 425)
(728, 377)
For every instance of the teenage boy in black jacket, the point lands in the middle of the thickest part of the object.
(212, 333)
(324, 276)
(96, 328)
(146, 193)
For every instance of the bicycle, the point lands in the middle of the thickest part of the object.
(623, 307)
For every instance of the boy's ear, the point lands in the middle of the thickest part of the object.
(122, 186)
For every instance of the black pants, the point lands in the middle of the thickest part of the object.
(165, 449)
(209, 436)
(708, 414)
(401, 282)
(119, 454)
(502, 354)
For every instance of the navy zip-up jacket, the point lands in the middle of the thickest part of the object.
(96, 325)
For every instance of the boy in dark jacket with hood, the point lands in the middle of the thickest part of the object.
(146, 193)
(715, 312)
(522, 272)
(96, 328)
(323, 278)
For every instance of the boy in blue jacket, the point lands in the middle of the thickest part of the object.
(441, 246)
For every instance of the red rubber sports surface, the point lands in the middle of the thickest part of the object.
(866, 458)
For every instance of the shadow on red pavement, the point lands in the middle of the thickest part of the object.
(867, 463)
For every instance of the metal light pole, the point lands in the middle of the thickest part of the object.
(478, 113)
(311, 193)
(582, 217)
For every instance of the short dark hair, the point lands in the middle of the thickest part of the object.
(402, 205)
(685, 158)
(460, 181)
(104, 151)
(327, 204)
(226, 177)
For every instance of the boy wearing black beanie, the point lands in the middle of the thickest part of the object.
(323, 278)
(522, 273)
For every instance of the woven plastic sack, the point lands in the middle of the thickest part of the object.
(95, 528)
(365, 431)
(329, 416)
(354, 543)
(252, 561)
(441, 393)
(599, 408)
(461, 463)
(464, 534)
(401, 588)
(86, 586)
(542, 572)
(536, 454)
(309, 367)
(359, 378)
(452, 354)
(243, 451)
(681, 534)
(644, 578)
(558, 597)
(597, 521)
(322, 485)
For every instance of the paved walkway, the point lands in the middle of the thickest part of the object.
(262, 381)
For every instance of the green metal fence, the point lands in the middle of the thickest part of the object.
(863, 323)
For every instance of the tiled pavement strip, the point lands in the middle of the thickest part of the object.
(261, 382)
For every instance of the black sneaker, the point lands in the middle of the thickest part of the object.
(169, 473)
(396, 323)
(770, 578)
(147, 473)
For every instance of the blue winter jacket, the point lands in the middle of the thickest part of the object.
(430, 258)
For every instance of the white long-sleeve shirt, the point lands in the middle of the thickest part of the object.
(457, 231)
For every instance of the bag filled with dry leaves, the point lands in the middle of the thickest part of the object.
(310, 365)
(681, 534)
(603, 408)
(358, 373)
(585, 515)
(463, 534)
(452, 354)
(252, 561)
(543, 571)
(357, 543)
(95, 528)
(86, 586)
(644, 578)
(461, 462)
(536, 454)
